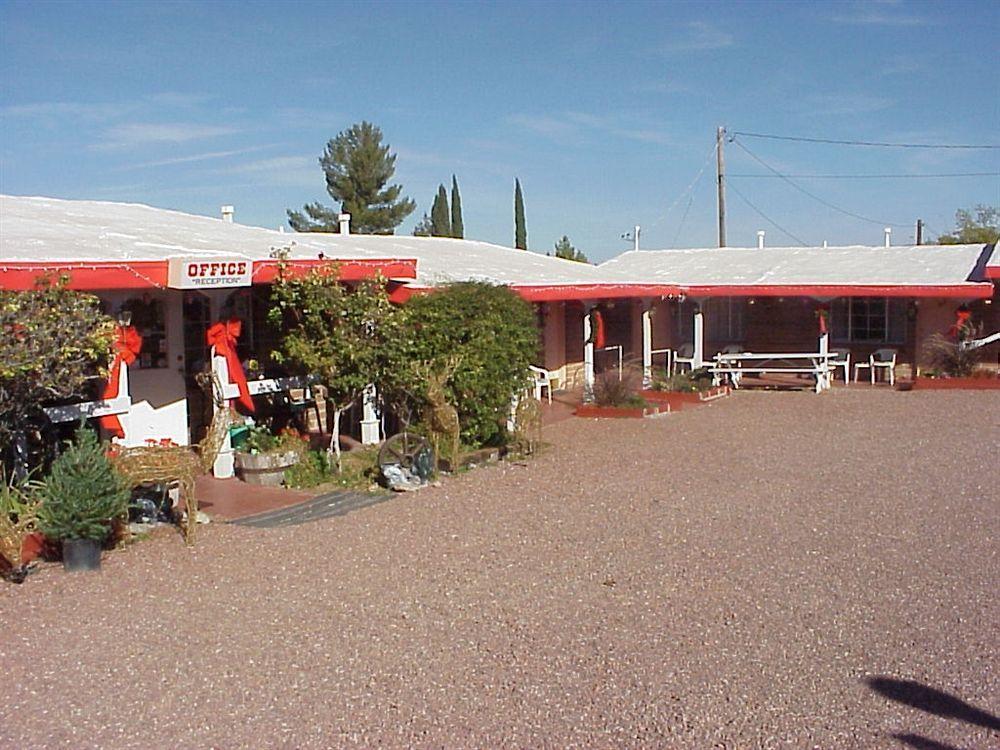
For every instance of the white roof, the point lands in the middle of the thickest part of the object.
(856, 265)
(55, 230)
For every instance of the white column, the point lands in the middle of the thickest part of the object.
(223, 466)
(824, 348)
(588, 356)
(369, 417)
(699, 339)
(647, 346)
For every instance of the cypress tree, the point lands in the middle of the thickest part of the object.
(520, 231)
(457, 226)
(440, 220)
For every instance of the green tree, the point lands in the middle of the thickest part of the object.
(358, 169)
(53, 342)
(981, 225)
(82, 493)
(332, 333)
(520, 230)
(457, 225)
(565, 250)
(424, 227)
(440, 219)
(492, 332)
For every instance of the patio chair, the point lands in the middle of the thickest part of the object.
(542, 379)
(734, 377)
(684, 356)
(884, 359)
(841, 358)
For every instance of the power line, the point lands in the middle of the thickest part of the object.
(881, 144)
(872, 176)
(688, 189)
(766, 217)
(683, 219)
(813, 195)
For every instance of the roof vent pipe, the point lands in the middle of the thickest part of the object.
(760, 239)
(345, 223)
(888, 236)
(227, 214)
(825, 245)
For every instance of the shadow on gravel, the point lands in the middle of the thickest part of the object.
(922, 743)
(932, 701)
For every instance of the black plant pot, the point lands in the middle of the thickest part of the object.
(81, 555)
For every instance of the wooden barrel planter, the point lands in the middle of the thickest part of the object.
(266, 469)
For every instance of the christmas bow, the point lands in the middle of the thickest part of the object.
(128, 344)
(223, 337)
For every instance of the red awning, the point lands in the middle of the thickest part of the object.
(962, 291)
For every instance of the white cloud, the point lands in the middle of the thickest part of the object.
(698, 36)
(133, 134)
(191, 158)
(844, 104)
(887, 13)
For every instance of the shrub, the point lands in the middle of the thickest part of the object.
(949, 357)
(312, 469)
(488, 329)
(610, 389)
(685, 382)
(82, 493)
(53, 341)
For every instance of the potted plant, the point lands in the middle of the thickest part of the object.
(263, 457)
(19, 542)
(80, 498)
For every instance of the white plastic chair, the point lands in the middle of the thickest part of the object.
(684, 356)
(841, 358)
(542, 380)
(734, 377)
(884, 359)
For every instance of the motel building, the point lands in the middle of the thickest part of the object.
(174, 276)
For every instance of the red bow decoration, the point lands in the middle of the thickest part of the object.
(223, 337)
(822, 313)
(960, 328)
(128, 344)
(600, 340)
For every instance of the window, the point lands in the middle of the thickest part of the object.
(869, 320)
(149, 320)
(724, 319)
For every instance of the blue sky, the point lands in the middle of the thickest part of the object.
(605, 111)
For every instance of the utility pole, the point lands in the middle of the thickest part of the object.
(920, 231)
(720, 137)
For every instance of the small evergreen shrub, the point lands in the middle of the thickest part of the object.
(313, 469)
(82, 493)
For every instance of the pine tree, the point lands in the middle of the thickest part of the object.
(457, 225)
(358, 168)
(565, 250)
(423, 227)
(440, 220)
(520, 231)
(82, 493)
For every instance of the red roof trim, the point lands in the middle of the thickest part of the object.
(145, 274)
(265, 271)
(566, 292)
(970, 290)
(152, 274)
(993, 272)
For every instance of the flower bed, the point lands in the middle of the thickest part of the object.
(964, 384)
(621, 412)
(677, 400)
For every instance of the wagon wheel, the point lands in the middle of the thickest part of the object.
(402, 449)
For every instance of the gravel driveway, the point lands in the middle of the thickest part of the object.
(773, 570)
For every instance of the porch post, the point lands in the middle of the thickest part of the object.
(824, 348)
(223, 468)
(699, 338)
(369, 417)
(647, 345)
(588, 356)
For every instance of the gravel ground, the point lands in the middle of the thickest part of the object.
(740, 575)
